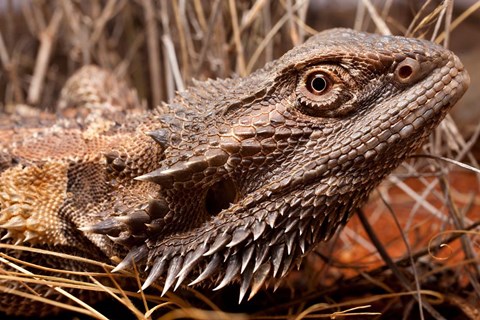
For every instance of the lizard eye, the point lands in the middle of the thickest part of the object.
(322, 90)
(318, 83)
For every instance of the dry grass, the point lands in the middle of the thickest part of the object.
(415, 250)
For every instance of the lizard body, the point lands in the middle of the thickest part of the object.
(233, 180)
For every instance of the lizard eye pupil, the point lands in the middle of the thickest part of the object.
(317, 83)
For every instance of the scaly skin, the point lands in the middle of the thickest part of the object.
(235, 179)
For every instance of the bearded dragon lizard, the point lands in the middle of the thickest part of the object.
(233, 180)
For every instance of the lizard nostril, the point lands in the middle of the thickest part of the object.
(405, 71)
(220, 196)
(409, 71)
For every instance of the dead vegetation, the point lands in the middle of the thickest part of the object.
(412, 252)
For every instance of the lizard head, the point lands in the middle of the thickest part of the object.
(258, 170)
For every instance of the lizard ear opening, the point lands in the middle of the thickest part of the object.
(220, 196)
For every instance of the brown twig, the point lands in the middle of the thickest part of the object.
(47, 39)
(153, 52)
(241, 68)
(389, 262)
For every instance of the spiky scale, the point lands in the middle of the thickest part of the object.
(183, 171)
(159, 176)
(173, 269)
(283, 210)
(246, 256)
(303, 225)
(276, 238)
(302, 242)
(259, 278)
(306, 212)
(277, 258)
(118, 164)
(7, 235)
(124, 239)
(232, 270)
(190, 261)
(216, 157)
(197, 164)
(29, 235)
(107, 226)
(258, 229)
(246, 279)
(157, 208)
(155, 273)
(290, 241)
(210, 269)
(287, 261)
(135, 219)
(271, 218)
(17, 222)
(110, 156)
(291, 225)
(239, 236)
(135, 255)
(219, 243)
(276, 285)
(160, 136)
(261, 253)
